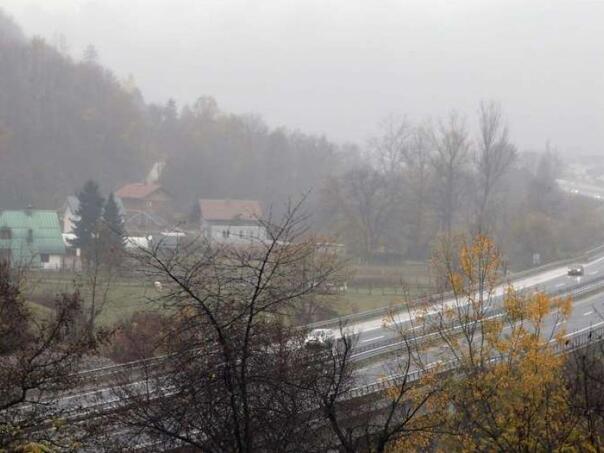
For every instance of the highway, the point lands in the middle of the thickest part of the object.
(587, 314)
(554, 280)
(581, 189)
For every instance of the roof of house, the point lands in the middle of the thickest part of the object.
(140, 220)
(45, 236)
(137, 190)
(214, 210)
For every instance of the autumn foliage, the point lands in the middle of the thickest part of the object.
(508, 391)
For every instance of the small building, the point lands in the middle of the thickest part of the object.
(150, 198)
(32, 238)
(231, 221)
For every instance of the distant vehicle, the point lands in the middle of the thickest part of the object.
(576, 270)
(320, 337)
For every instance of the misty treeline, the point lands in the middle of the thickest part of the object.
(64, 121)
(457, 174)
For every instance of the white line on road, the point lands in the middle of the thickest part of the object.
(593, 272)
(560, 285)
(570, 334)
(587, 313)
(597, 261)
(372, 339)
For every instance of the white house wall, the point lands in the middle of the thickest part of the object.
(234, 234)
(55, 262)
(68, 221)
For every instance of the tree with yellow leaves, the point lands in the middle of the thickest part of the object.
(507, 389)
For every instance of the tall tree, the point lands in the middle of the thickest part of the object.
(508, 391)
(90, 54)
(89, 212)
(450, 160)
(112, 235)
(363, 203)
(243, 379)
(493, 158)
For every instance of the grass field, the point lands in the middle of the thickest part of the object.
(124, 297)
(370, 287)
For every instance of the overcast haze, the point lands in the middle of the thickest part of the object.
(338, 67)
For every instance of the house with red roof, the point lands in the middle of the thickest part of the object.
(146, 206)
(231, 221)
(144, 197)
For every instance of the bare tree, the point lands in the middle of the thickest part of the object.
(39, 360)
(417, 176)
(493, 157)
(236, 377)
(391, 148)
(364, 203)
(398, 417)
(450, 159)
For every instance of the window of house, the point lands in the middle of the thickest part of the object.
(44, 257)
(5, 233)
(149, 204)
(30, 236)
(225, 234)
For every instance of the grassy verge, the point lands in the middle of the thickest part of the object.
(370, 287)
(125, 296)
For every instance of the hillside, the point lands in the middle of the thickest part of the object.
(61, 122)
(64, 121)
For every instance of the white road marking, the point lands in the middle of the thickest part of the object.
(596, 261)
(594, 272)
(584, 329)
(560, 285)
(587, 313)
(372, 339)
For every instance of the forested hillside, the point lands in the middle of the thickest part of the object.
(64, 121)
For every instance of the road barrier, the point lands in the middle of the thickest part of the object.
(577, 341)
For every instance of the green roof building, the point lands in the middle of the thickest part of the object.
(31, 237)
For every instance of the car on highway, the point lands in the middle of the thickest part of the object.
(576, 270)
(319, 337)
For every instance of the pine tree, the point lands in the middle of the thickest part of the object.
(112, 233)
(89, 212)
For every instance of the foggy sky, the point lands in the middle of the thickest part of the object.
(339, 66)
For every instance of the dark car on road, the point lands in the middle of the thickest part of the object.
(576, 270)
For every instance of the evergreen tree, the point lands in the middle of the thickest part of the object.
(89, 212)
(112, 234)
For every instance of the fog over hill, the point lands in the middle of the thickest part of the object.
(337, 67)
(65, 120)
